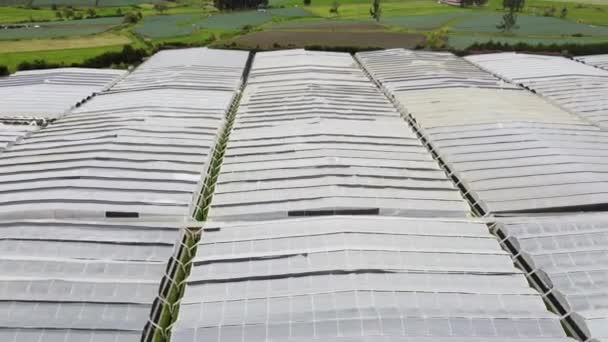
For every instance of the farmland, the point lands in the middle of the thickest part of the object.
(404, 23)
(275, 39)
(56, 29)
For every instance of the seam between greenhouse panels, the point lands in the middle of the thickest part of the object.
(476, 208)
(165, 308)
(569, 324)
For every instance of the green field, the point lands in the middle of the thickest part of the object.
(176, 25)
(55, 29)
(164, 26)
(424, 22)
(65, 56)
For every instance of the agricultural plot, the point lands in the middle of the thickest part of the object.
(75, 3)
(424, 22)
(293, 39)
(328, 25)
(61, 28)
(528, 25)
(236, 20)
(14, 2)
(163, 26)
(292, 12)
(116, 3)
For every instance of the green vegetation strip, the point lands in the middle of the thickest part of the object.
(180, 266)
(463, 42)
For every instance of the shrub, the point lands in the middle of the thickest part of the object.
(128, 55)
(3, 70)
(564, 49)
(307, 2)
(37, 64)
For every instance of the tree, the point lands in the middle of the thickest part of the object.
(307, 2)
(517, 5)
(160, 7)
(509, 21)
(119, 12)
(564, 13)
(131, 18)
(335, 7)
(3, 70)
(68, 13)
(91, 13)
(376, 11)
(59, 15)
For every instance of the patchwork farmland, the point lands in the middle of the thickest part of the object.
(149, 26)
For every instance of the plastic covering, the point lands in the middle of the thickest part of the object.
(80, 281)
(599, 61)
(10, 134)
(566, 258)
(48, 94)
(140, 149)
(574, 86)
(363, 278)
(313, 135)
(512, 151)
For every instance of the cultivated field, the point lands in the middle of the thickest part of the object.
(290, 39)
(56, 29)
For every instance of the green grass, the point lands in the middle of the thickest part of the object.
(15, 15)
(56, 29)
(67, 56)
(578, 10)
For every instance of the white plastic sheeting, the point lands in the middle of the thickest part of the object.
(313, 135)
(513, 151)
(137, 150)
(80, 281)
(578, 88)
(566, 257)
(600, 61)
(358, 279)
(49, 94)
(10, 134)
